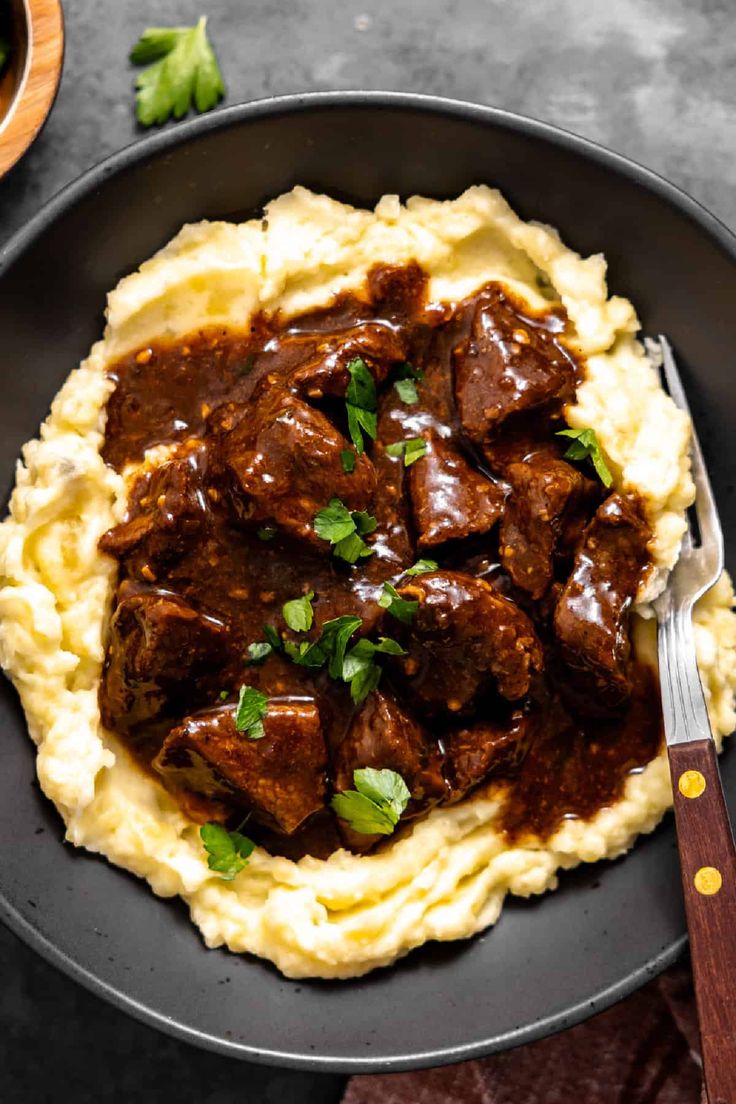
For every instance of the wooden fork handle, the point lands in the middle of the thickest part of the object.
(708, 863)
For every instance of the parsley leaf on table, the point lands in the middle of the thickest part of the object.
(298, 613)
(585, 444)
(397, 606)
(227, 852)
(252, 708)
(376, 803)
(181, 69)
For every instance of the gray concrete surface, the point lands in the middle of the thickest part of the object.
(653, 79)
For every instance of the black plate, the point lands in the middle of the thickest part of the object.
(550, 962)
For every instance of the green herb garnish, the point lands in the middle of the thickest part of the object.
(224, 695)
(298, 613)
(360, 669)
(345, 530)
(347, 457)
(266, 533)
(376, 804)
(272, 637)
(421, 567)
(258, 653)
(181, 69)
(329, 648)
(585, 444)
(227, 852)
(361, 403)
(412, 450)
(405, 385)
(252, 708)
(406, 389)
(397, 606)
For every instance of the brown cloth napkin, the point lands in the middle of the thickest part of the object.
(644, 1050)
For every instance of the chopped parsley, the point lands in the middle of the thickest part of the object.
(347, 458)
(360, 669)
(224, 695)
(407, 391)
(252, 708)
(181, 70)
(272, 637)
(258, 653)
(227, 852)
(585, 444)
(345, 530)
(405, 385)
(266, 533)
(376, 804)
(298, 613)
(412, 450)
(397, 606)
(361, 404)
(421, 567)
(357, 667)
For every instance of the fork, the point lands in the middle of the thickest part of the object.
(704, 835)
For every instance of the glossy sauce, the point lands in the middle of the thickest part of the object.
(176, 393)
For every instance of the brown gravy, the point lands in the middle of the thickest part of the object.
(578, 748)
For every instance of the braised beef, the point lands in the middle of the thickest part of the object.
(384, 735)
(513, 671)
(165, 516)
(450, 500)
(508, 365)
(326, 373)
(285, 457)
(544, 517)
(464, 639)
(486, 749)
(280, 777)
(591, 618)
(159, 650)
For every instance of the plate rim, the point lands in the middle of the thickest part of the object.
(161, 141)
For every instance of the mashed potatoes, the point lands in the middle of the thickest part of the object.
(447, 877)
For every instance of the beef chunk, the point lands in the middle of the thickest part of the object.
(520, 440)
(280, 777)
(464, 639)
(485, 749)
(591, 617)
(285, 458)
(165, 517)
(379, 346)
(545, 515)
(450, 500)
(384, 736)
(506, 367)
(160, 653)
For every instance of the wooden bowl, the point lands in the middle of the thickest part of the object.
(30, 79)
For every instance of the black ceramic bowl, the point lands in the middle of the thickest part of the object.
(549, 962)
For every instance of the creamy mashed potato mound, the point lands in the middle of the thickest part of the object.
(446, 876)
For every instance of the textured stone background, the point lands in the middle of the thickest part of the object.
(654, 79)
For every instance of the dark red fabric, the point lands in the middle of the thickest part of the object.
(644, 1050)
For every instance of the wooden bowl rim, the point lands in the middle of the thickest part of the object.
(39, 81)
